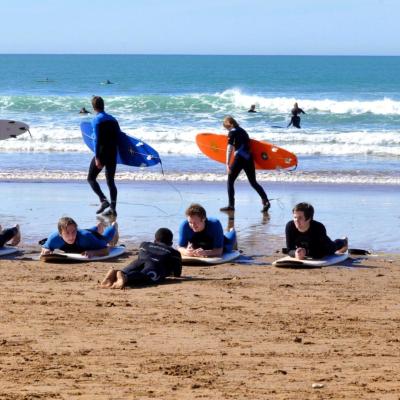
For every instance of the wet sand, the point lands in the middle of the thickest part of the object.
(229, 332)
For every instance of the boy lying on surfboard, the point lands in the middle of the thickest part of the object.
(306, 237)
(89, 242)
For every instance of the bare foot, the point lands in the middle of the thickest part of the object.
(115, 239)
(109, 280)
(120, 282)
(17, 237)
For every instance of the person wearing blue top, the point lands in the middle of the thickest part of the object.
(89, 242)
(106, 132)
(239, 145)
(200, 236)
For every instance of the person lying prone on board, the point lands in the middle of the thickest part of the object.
(11, 236)
(306, 237)
(157, 260)
(89, 242)
(200, 236)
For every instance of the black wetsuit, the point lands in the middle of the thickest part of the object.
(156, 261)
(315, 241)
(107, 131)
(6, 235)
(243, 160)
(295, 120)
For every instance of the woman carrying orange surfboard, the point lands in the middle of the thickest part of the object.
(239, 144)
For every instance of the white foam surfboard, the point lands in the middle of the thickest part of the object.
(4, 251)
(226, 257)
(12, 129)
(291, 262)
(60, 256)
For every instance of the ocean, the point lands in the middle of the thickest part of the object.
(350, 134)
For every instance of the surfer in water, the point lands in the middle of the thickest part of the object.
(252, 109)
(200, 236)
(84, 111)
(106, 131)
(155, 262)
(306, 237)
(295, 120)
(89, 242)
(11, 236)
(239, 144)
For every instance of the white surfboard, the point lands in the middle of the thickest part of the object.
(12, 129)
(59, 256)
(226, 257)
(291, 262)
(4, 251)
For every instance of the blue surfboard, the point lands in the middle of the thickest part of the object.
(131, 151)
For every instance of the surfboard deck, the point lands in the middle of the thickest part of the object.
(6, 250)
(61, 257)
(12, 129)
(226, 257)
(265, 155)
(131, 151)
(291, 262)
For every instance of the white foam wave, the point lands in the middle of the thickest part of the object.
(283, 105)
(145, 175)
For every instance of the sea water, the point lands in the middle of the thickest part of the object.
(348, 148)
(350, 133)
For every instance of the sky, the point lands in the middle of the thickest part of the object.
(254, 27)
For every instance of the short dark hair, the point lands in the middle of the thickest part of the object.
(164, 235)
(98, 103)
(307, 209)
(196, 209)
(64, 223)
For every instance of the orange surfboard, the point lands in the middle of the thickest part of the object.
(265, 155)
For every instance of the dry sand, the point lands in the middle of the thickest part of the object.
(227, 332)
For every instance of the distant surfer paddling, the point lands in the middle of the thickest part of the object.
(106, 131)
(84, 111)
(252, 109)
(295, 120)
(239, 145)
(306, 237)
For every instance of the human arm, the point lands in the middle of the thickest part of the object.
(214, 230)
(290, 233)
(229, 151)
(53, 242)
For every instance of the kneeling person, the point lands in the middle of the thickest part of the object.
(89, 242)
(156, 261)
(306, 237)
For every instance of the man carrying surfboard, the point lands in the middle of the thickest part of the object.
(106, 131)
(306, 237)
(239, 144)
(89, 242)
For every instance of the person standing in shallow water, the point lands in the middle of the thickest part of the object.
(295, 120)
(106, 131)
(239, 144)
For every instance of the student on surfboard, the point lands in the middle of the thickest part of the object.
(106, 130)
(156, 261)
(89, 242)
(11, 236)
(200, 236)
(306, 237)
(239, 144)
(295, 120)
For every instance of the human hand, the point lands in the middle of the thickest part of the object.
(98, 163)
(300, 253)
(45, 251)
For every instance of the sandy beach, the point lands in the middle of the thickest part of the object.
(234, 331)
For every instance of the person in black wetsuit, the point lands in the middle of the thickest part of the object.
(12, 236)
(239, 144)
(156, 261)
(307, 238)
(106, 132)
(295, 120)
(252, 109)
